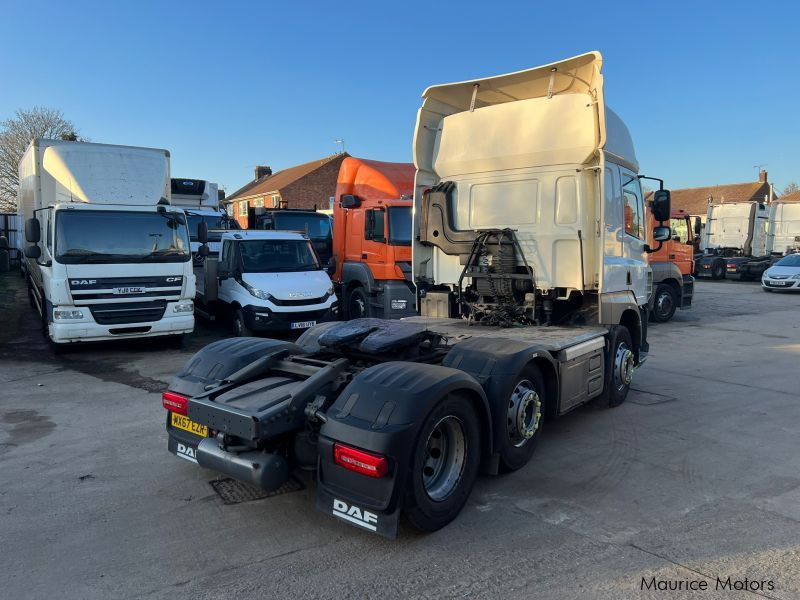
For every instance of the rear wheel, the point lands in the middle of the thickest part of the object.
(444, 464)
(240, 328)
(664, 303)
(518, 434)
(718, 270)
(357, 304)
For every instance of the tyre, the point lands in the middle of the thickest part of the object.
(664, 303)
(518, 434)
(176, 341)
(240, 328)
(718, 270)
(31, 299)
(444, 464)
(766, 289)
(619, 366)
(358, 304)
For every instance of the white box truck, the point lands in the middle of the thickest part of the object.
(108, 256)
(199, 199)
(529, 254)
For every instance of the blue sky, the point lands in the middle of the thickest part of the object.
(708, 89)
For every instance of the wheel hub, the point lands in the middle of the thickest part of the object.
(664, 303)
(524, 413)
(623, 366)
(445, 457)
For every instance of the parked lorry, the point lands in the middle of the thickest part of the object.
(783, 237)
(109, 256)
(372, 239)
(200, 201)
(315, 224)
(534, 301)
(673, 265)
(265, 281)
(735, 233)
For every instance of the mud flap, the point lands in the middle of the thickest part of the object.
(371, 520)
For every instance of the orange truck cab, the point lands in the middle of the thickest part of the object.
(371, 264)
(672, 265)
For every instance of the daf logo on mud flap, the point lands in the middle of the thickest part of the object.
(83, 281)
(173, 279)
(355, 515)
(186, 452)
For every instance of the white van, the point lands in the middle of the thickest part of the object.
(266, 281)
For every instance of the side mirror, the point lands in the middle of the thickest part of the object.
(33, 231)
(350, 201)
(33, 252)
(202, 232)
(330, 268)
(698, 226)
(203, 251)
(661, 234)
(661, 206)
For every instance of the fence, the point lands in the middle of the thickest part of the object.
(11, 227)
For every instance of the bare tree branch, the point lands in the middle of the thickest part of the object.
(16, 134)
(791, 188)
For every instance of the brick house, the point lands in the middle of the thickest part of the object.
(695, 200)
(309, 185)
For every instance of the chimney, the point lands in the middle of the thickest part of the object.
(762, 176)
(263, 171)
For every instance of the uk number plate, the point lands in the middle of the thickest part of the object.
(303, 324)
(185, 423)
(129, 290)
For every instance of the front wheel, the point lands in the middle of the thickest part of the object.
(357, 304)
(444, 464)
(664, 303)
(619, 366)
(240, 328)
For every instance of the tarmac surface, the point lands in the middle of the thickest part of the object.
(696, 478)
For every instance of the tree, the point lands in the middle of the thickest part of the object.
(791, 188)
(16, 134)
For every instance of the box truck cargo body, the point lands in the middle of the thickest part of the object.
(107, 255)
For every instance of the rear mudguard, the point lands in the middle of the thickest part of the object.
(382, 411)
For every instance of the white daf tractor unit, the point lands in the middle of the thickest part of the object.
(529, 257)
(783, 229)
(108, 256)
(735, 234)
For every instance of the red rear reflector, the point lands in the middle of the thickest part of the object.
(174, 402)
(371, 465)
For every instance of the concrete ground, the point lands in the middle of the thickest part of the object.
(696, 476)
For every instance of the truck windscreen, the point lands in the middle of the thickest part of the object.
(318, 226)
(400, 225)
(277, 256)
(86, 236)
(212, 221)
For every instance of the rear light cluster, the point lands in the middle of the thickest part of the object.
(366, 463)
(174, 402)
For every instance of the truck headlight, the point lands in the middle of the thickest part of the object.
(255, 291)
(399, 304)
(183, 307)
(66, 314)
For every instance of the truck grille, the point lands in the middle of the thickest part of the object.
(122, 313)
(109, 288)
(300, 302)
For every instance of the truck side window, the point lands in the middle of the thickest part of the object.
(375, 226)
(225, 257)
(632, 206)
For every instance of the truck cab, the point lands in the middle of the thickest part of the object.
(735, 234)
(201, 203)
(673, 266)
(266, 281)
(372, 238)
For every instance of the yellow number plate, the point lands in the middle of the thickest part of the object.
(187, 424)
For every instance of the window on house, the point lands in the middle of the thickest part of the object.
(276, 201)
(243, 208)
(259, 203)
(633, 205)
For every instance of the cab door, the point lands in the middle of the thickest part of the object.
(373, 249)
(681, 248)
(634, 237)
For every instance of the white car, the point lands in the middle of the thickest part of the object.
(783, 275)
